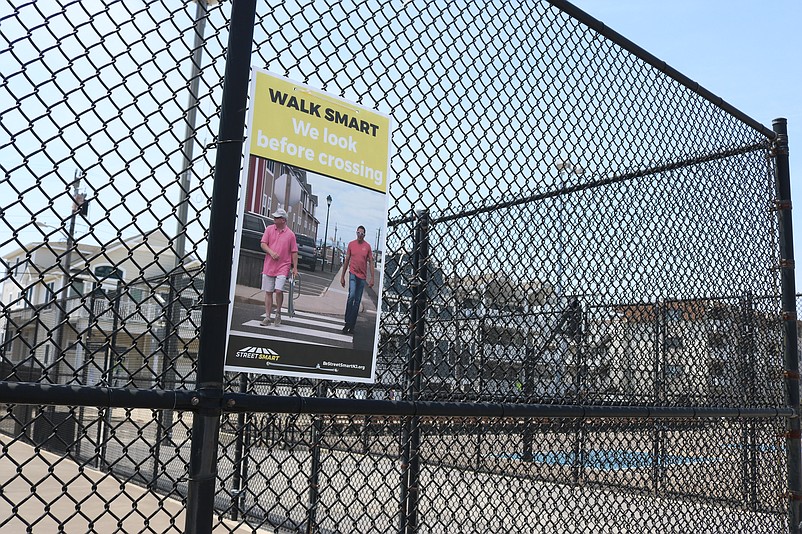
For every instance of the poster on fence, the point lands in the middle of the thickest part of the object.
(307, 271)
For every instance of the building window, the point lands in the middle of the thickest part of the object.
(50, 294)
(271, 166)
(673, 343)
(77, 288)
(29, 293)
(265, 204)
(109, 273)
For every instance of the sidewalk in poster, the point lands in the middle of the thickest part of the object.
(331, 302)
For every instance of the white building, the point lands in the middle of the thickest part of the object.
(103, 322)
(675, 352)
(497, 339)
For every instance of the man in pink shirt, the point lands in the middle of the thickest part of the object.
(358, 261)
(281, 255)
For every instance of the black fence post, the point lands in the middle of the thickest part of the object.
(527, 439)
(240, 474)
(410, 467)
(747, 362)
(791, 374)
(88, 350)
(165, 379)
(211, 351)
(575, 330)
(115, 326)
(314, 475)
(172, 322)
(110, 361)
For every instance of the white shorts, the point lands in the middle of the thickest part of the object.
(273, 283)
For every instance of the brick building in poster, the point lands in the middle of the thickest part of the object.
(272, 185)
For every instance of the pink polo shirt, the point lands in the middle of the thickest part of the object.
(284, 244)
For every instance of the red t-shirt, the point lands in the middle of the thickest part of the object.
(361, 254)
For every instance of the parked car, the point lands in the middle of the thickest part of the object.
(307, 253)
(253, 228)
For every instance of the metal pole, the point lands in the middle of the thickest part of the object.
(85, 372)
(527, 439)
(165, 419)
(791, 373)
(105, 421)
(333, 249)
(190, 131)
(240, 474)
(61, 307)
(325, 237)
(110, 363)
(211, 352)
(314, 476)
(115, 322)
(160, 384)
(747, 361)
(576, 332)
(410, 466)
(171, 344)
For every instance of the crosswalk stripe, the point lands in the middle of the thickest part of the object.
(317, 317)
(287, 328)
(274, 338)
(311, 322)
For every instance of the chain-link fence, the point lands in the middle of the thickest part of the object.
(587, 316)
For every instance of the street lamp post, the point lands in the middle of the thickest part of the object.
(326, 233)
(333, 248)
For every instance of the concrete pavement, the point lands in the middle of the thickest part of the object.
(44, 492)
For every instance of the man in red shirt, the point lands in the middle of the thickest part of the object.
(281, 255)
(358, 261)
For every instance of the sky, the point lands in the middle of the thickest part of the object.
(351, 206)
(745, 51)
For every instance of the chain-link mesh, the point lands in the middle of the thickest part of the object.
(572, 231)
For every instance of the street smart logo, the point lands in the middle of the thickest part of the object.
(258, 353)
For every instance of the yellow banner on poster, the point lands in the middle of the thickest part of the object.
(313, 130)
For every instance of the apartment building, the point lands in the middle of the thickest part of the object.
(118, 316)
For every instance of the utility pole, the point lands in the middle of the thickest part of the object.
(61, 309)
(169, 348)
(190, 131)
